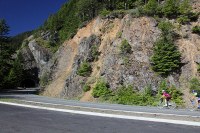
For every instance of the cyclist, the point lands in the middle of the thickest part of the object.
(198, 100)
(193, 99)
(196, 96)
(166, 97)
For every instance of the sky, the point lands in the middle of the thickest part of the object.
(26, 15)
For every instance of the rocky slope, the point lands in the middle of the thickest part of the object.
(117, 69)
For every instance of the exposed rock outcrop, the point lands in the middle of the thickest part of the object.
(116, 68)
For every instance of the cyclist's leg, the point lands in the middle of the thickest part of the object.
(166, 102)
(161, 100)
(167, 99)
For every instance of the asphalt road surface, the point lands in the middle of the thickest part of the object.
(15, 119)
(24, 95)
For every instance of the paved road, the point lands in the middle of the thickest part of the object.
(22, 95)
(25, 120)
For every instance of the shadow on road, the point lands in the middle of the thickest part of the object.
(11, 93)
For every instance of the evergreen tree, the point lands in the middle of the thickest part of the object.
(166, 57)
(16, 73)
(87, 9)
(167, 30)
(170, 8)
(5, 52)
(151, 7)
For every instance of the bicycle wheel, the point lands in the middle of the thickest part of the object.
(160, 105)
(172, 105)
(192, 105)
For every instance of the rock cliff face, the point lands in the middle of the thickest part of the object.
(116, 68)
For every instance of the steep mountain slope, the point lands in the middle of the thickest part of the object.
(116, 69)
(99, 43)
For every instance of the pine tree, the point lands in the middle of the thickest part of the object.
(5, 52)
(16, 73)
(166, 57)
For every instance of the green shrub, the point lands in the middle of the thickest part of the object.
(44, 79)
(138, 12)
(126, 61)
(126, 95)
(162, 86)
(85, 69)
(101, 89)
(166, 27)
(176, 95)
(198, 68)
(104, 13)
(195, 85)
(196, 29)
(125, 47)
(86, 88)
(118, 13)
(185, 7)
(119, 34)
(151, 7)
(147, 97)
(183, 19)
(193, 16)
(94, 52)
(47, 44)
(170, 8)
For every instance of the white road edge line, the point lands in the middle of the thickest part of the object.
(137, 112)
(189, 123)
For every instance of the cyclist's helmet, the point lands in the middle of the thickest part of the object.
(194, 92)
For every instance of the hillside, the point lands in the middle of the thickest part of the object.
(110, 53)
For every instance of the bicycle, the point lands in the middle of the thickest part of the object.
(171, 104)
(193, 105)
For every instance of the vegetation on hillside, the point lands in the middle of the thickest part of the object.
(195, 85)
(125, 47)
(196, 30)
(85, 69)
(175, 93)
(76, 13)
(128, 95)
(5, 53)
(11, 69)
(166, 58)
(101, 89)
